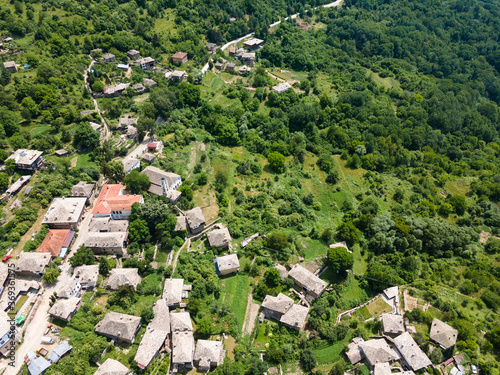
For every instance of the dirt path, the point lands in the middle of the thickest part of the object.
(186, 245)
(27, 236)
(250, 316)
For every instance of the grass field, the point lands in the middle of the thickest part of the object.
(235, 295)
(375, 308)
(84, 161)
(330, 354)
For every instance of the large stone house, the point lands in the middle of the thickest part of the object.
(86, 275)
(65, 213)
(306, 280)
(411, 352)
(120, 327)
(284, 310)
(180, 58)
(174, 291)
(219, 238)
(195, 220)
(114, 203)
(227, 264)
(32, 264)
(27, 159)
(208, 354)
(64, 309)
(377, 351)
(443, 334)
(163, 183)
(83, 190)
(182, 340)
(111, 243)
(123, 276)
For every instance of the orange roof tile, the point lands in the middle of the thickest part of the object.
(111, 198)
(55, 240)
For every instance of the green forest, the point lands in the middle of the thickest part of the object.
(388, 140)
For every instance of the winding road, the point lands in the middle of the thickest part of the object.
(293, 16)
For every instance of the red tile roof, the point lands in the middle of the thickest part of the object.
(152, 144)
(111, 198)
(55, 240)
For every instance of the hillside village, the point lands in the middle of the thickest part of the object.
(200, 191)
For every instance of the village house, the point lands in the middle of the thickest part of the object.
(177, 75)
(95, 126)
(282, 87)
(123, 67)
(110, 243)
(56, 242)
(5, 329)
(149, 83)
(211, 48)
(22, 287)
(385, 369)
(83, 190)
(306, 280)
(36, 365)
(411, 352)
(32, 263)
(8, 40)
(10, 66)
(219, 65)
(253, 43)
(61, 152)
(86, 275)
(108, 58)
(154, 147)
(112, 202)
(115, 90)
(65, 213)
(393, 325)
(182, 339)
(181, 223)
(248, 58)
(146, 63)
(112, 367)
(244, 70)
(195, 220)
(443, 334)
(156, 334)
(16, 186)
(120, 327)
(208, 354)
(105, 224)
(133, 54)
(226, 264)
(70, 288)
(354, 353)
(377, 351)
(139, 87)
(147, 158)
(126, 121)
(59, 351)
(27, 159)
(230, 67)
(123, 276)
(174, 291)
(219, 238)
(282, 270)
(180, 58)
(131, 132)
(130, 164)
(283, 309)
(163, 183)
(64, 309)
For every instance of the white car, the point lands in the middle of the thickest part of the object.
(474, 369)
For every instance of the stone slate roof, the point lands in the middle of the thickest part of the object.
(155, 175)
(105, 224)
(219, 238)
(393, 324)
(295, 316)
(129, 163)
(182, 347)
(181, 223)
(64, 308)
(208, 352)
(195, 217)
(123, 276)
(227, 262)
(377, 351)
(64, 290)
(86, 274)
(442, 333)
(172, 291)
(155, 336)
(411, 352)
(82, 189)
(280, 304)
(105, 239)
(122, 326)
(64, 210)
(25, 157)
(354, 353)
(32, 262)
(306, 278)
(180, 322)
(112, 367)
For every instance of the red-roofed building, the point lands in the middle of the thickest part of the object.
(113, 203)
(155, 146)
(56, 242)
